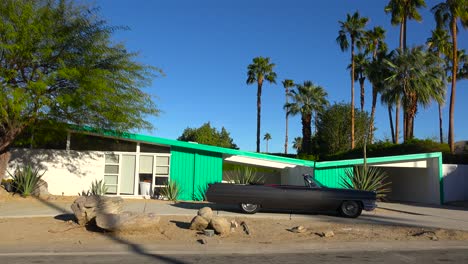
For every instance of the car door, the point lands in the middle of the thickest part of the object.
(302, 198)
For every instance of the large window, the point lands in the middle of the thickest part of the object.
(123, 170)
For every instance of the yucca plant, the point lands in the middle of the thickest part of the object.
(367, 179)
(171, 191)
(98, 188)
(25, 180)
(244, 175)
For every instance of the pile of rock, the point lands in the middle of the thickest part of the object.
(205, 220)
(106, 213)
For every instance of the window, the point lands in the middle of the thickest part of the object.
(161, 171)
(111, 173)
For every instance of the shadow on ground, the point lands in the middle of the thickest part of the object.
(135, 248)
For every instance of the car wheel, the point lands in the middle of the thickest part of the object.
(351, 209)
(249, 208)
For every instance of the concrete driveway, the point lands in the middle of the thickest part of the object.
(387, 213)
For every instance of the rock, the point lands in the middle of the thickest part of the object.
(41, 189)
(234, 224)
(206, 213)
(126, 221)
(246, 227)
(85, 208)
(220, 225)
(298, 229)
(209, 232)
(202, 241)
(109, 205)
(198, 223)
(80, 211)
(328, 234)
(434, 238)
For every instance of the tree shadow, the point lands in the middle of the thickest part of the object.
(133, 247)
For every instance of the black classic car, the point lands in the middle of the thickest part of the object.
(313, 196)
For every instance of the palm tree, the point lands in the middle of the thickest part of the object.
(360, 65)
(267, 138)
(402, 11)
(297, 144)
(439, 43)
(417, 77)
(375, 44)
(447, 15)
(287, 84)
(259, 71)
(351, 29)
(307, 100)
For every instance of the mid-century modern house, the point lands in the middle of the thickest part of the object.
(124, 161)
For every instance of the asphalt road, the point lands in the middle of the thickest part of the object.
(419, 256)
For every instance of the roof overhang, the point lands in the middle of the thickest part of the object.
(236, 159)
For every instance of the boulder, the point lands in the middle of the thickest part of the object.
(298, 229)
(41, 189)
(127, 221)
(329, 233)
(85, 208)
(198, 223)
(206, 213)
(220, 225)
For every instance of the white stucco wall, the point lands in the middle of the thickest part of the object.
(293, 176)
(455, 182)
(415, 184)
(66, 172)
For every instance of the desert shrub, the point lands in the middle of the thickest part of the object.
(25, 180)
(367, 179)
(244, 175)
(98, 188)
(171, 190)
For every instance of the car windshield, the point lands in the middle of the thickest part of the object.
(311, 182)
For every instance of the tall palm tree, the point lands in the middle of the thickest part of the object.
(307, 100)
(259, 71)
(417, 77)
(360, 65)
(297, 144)
(447, 15)
(267, 138)
(402, 11)
(439, 43)
(351, 31)
(287, 83)
(375, 44)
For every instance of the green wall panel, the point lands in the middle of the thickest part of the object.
(331, 176)
(208, 169)
(182, 171)
(194, 170)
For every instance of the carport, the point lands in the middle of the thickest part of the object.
(414, 178)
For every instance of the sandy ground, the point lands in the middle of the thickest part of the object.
(63, 231)
(174, 229)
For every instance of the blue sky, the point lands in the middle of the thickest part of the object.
(204, 48)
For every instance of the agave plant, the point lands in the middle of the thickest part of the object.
(98, 188)
(244, 175)
(25, 180)
(367, 179)
(171, 191)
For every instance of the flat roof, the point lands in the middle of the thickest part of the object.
(190, 145)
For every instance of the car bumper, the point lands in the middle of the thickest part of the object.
(369, 205)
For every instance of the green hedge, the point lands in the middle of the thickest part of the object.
(413, 146)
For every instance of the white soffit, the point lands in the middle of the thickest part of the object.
(257, 162)
(408, 164)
